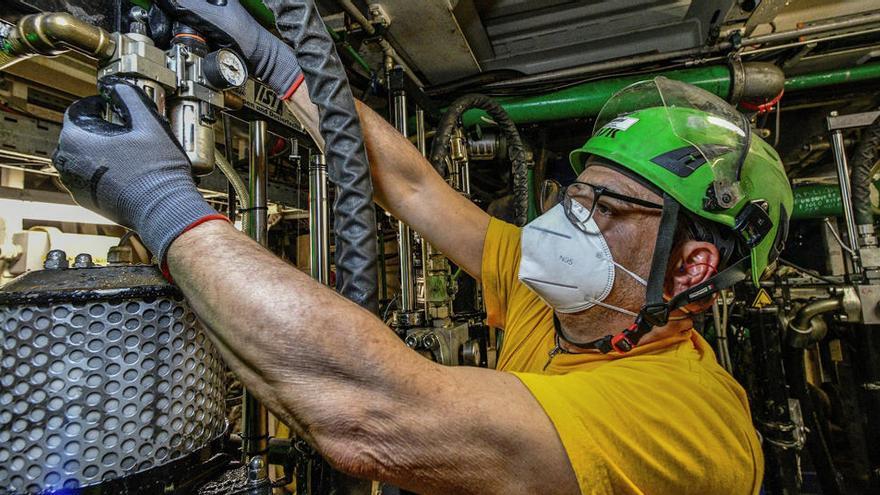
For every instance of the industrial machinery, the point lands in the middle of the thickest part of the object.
(107, 382)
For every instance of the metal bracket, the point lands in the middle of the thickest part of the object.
(851, 121)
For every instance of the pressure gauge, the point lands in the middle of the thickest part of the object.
(224, 69)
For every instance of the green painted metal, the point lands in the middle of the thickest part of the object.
(533, 200)
(260, 12)
(141, 3)
(585, 100)
(867, 72)
(816, 201)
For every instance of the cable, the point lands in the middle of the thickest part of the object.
(516, 149)
(301, 26)
(837, 237)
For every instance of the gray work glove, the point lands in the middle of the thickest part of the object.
(230, 25)
(134, 173)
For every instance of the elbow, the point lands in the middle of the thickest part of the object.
(354, 444)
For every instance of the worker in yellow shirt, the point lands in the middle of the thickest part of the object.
(603, 386)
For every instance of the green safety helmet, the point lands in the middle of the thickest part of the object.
(697, 151)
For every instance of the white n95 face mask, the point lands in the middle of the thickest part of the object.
(568, 269)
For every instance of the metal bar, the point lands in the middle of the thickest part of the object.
(259, 177)
(232, 198)
(839, 151)
(421, 142)
(319, 220)
(404, 242)
(255, 417)
(862, 20)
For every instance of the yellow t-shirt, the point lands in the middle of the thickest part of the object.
(663, 419)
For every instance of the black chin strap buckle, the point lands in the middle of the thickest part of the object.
(653, 315)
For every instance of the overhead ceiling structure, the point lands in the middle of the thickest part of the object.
(446, 40)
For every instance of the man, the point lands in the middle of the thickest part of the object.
(577, 404)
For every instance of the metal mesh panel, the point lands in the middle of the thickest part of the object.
(103, 389)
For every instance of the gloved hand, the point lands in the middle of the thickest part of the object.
(230, 25)
(134, 173)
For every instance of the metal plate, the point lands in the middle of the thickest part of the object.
(101, 389)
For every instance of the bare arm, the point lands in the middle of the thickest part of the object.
(346, 383)
(408, 187)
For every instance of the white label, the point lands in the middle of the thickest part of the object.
(621, 123)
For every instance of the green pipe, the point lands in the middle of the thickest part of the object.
(351, 51)
(816, 201)
(533, 200)
(585, 100)
(260, 12)
(865, 72)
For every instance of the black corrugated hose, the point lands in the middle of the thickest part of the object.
(863, 161)
(301, 26)
(516, 150)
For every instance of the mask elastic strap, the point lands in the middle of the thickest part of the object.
(629, 272)
(655, 312)
(614, 308)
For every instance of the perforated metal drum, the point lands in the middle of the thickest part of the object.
(105, 372)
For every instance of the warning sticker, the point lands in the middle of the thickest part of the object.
(762, 299)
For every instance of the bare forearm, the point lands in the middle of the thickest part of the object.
(395, 162)
(346, 383)
(299, 346)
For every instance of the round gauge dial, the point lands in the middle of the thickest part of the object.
(224, 69)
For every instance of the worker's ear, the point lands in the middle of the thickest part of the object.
(693, 263)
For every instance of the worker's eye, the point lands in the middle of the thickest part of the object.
(604, 209)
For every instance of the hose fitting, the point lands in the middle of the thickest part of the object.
(54, 33)
(806, 328)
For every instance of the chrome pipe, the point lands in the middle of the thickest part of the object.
(255, 416)
(837, 146)
(421, 143)
(259, 176)
(404, 242)
(319, 220)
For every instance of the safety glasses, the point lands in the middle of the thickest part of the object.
(580, 200)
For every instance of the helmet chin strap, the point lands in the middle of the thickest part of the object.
(656, 310)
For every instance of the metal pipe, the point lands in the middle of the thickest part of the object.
(404, 241)
(54, 33)
(319, 220)
(421, 142)
(367, 26)
(816, 201)
(839, 151)
(862, 20)
(255, 416)
(867, 72)
(258, 178)
(585, 100)
(805, 328)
